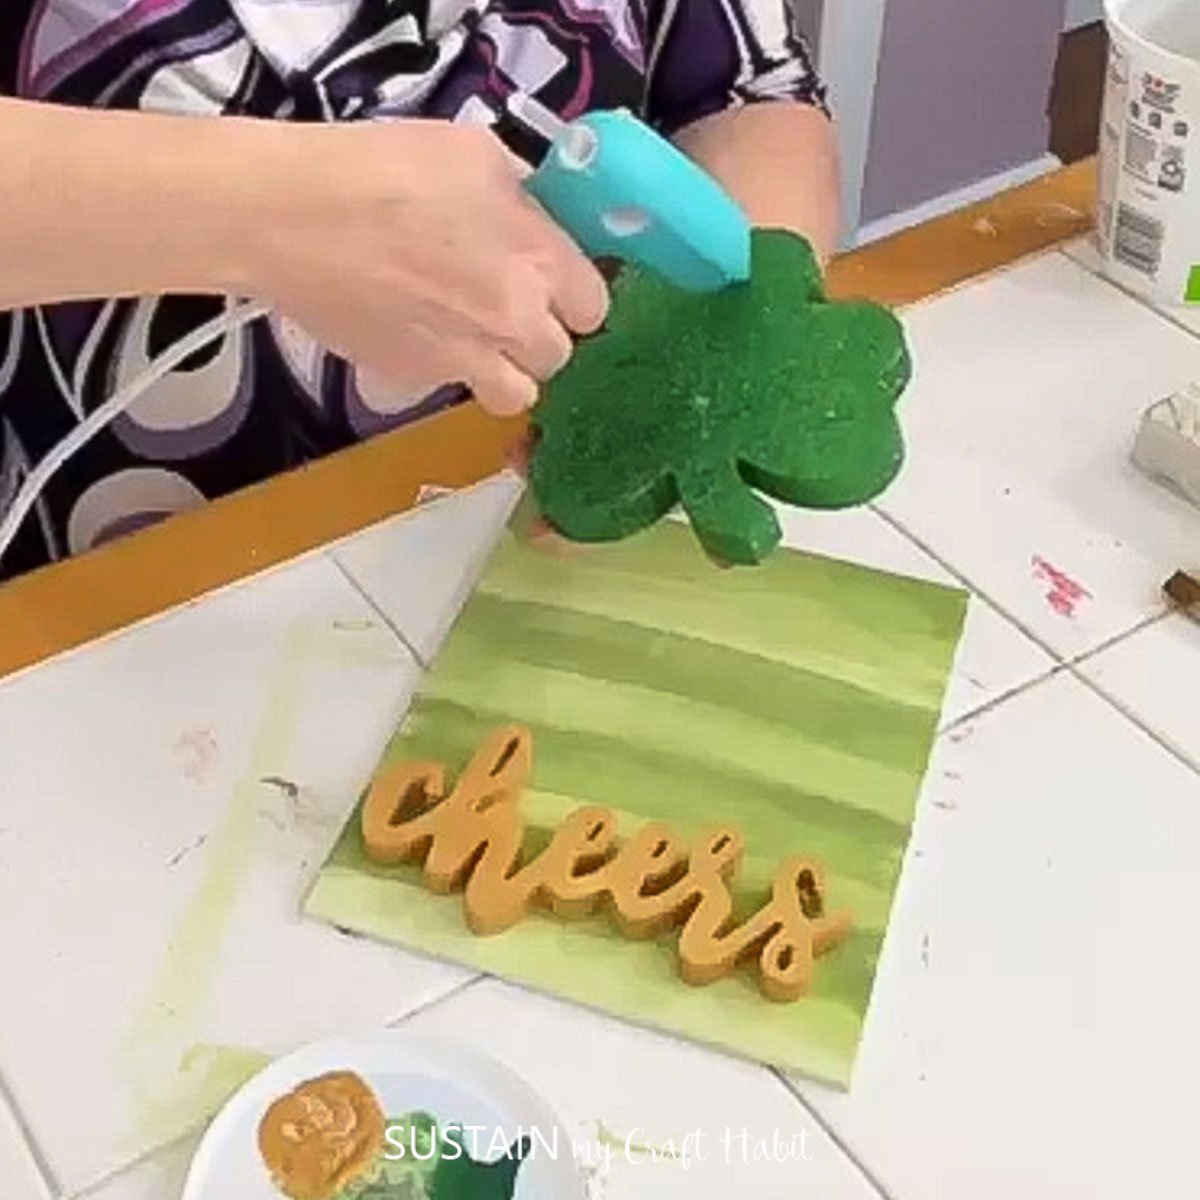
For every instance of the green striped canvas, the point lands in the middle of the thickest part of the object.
(797, 700)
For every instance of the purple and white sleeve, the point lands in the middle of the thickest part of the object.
(712, 55)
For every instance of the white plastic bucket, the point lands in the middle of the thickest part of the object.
(1148, 228)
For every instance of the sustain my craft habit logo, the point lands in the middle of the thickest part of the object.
(331, 1137)
(418, 1141)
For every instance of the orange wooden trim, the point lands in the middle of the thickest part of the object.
(942, 254)
(74, 602)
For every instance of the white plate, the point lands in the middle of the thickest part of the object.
(408, 1073)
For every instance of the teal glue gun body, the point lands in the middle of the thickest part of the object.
(624, 192)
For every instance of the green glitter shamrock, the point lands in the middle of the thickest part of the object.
(701, 400)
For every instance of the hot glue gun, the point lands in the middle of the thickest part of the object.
(622, 191)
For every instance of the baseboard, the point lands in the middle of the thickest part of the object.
(939, 206)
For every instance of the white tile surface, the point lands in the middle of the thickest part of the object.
(1028, 392)
(20, 1178)
(159, 1177)
(418, 568)
(157, 876)
(611, 1082)
(1155, 676)
(1033, 1030)
(1084, 252)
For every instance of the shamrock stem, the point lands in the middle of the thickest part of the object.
(732, 523)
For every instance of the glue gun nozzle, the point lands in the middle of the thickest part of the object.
(575, 144)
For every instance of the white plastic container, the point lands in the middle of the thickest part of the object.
(1148, 229)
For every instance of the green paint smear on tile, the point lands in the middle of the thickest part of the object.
(798, 701)
(168, 1103)
(208, 1076)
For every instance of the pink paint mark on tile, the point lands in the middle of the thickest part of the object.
(199, 751)
(1065, 594)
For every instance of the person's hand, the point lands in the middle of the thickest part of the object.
(411, 248)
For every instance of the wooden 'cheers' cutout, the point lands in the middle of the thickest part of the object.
(471, 839)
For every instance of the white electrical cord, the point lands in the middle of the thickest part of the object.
(93, 423)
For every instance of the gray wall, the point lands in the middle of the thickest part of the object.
(1083, 12)
(961, 95)
(809, 13)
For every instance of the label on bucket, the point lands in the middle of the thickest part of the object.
(1149, 203)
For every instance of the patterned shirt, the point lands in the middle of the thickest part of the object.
(267, 398)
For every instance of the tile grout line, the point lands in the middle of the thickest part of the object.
(965, 581)
(1160, 740)
(840, 1144)
(1098, 689)
(1069, 665)
(127, 1168)
(428, 1005)
(995, 702)
(40, 1162)
(1145, 623)
(391, 625)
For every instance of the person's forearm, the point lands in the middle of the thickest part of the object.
(779, 161)
(100, 204)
